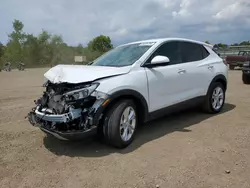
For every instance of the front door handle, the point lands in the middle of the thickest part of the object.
(182, 71)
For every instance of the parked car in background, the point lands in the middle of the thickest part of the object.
(238, 60)
(246, 72)
(129, 85)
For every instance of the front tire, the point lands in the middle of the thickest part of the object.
(245, 78)
(215, 98)
(120, 124)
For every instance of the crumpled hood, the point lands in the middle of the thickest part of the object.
(82, 73)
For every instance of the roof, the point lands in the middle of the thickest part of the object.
(160, 40)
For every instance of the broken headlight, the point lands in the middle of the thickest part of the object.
(82, 92)
(99, 95)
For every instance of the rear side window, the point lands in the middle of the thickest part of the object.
(191, 52)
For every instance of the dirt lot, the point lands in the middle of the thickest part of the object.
(185, 150)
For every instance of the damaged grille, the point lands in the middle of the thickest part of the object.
(54, 99)
(59, 112)
(53, 102)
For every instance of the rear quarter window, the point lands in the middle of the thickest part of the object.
(205, 53)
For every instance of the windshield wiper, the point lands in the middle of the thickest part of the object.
(91, 62)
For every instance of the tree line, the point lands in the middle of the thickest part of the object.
(224, 46)
(47, 49)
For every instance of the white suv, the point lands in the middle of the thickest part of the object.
(129, 85)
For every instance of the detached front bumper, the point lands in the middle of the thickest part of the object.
(74, 135)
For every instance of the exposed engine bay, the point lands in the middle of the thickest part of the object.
(67, 108)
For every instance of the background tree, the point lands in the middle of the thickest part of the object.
(245, 43)
(44, 48)
(55, 49)
(79, 49)
(47, 49)
(100, 44)
(14, 50)
(220, 45)
(2, 49)
(31, 51)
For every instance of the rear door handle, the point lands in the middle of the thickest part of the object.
(182, 71)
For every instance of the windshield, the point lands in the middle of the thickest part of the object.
(123, 55)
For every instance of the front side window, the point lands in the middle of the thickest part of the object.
(170, 50)
(123, 55)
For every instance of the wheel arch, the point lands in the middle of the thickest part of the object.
(220, 78)
(138, 99)
(207, 106)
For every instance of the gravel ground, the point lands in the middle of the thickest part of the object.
(191, 149)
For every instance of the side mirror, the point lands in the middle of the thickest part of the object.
(160, 60)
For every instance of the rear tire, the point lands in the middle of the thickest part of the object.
(245, 78)
(215, 98)
(120, 124)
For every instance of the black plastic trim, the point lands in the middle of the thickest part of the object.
(176, 108)
(149, 65)
(219, 77)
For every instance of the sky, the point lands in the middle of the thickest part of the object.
(78, 21)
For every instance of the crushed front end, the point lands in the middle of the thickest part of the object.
(68, 111)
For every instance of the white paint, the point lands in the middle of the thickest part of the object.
(160, 59)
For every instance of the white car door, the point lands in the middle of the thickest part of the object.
(166, 83)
